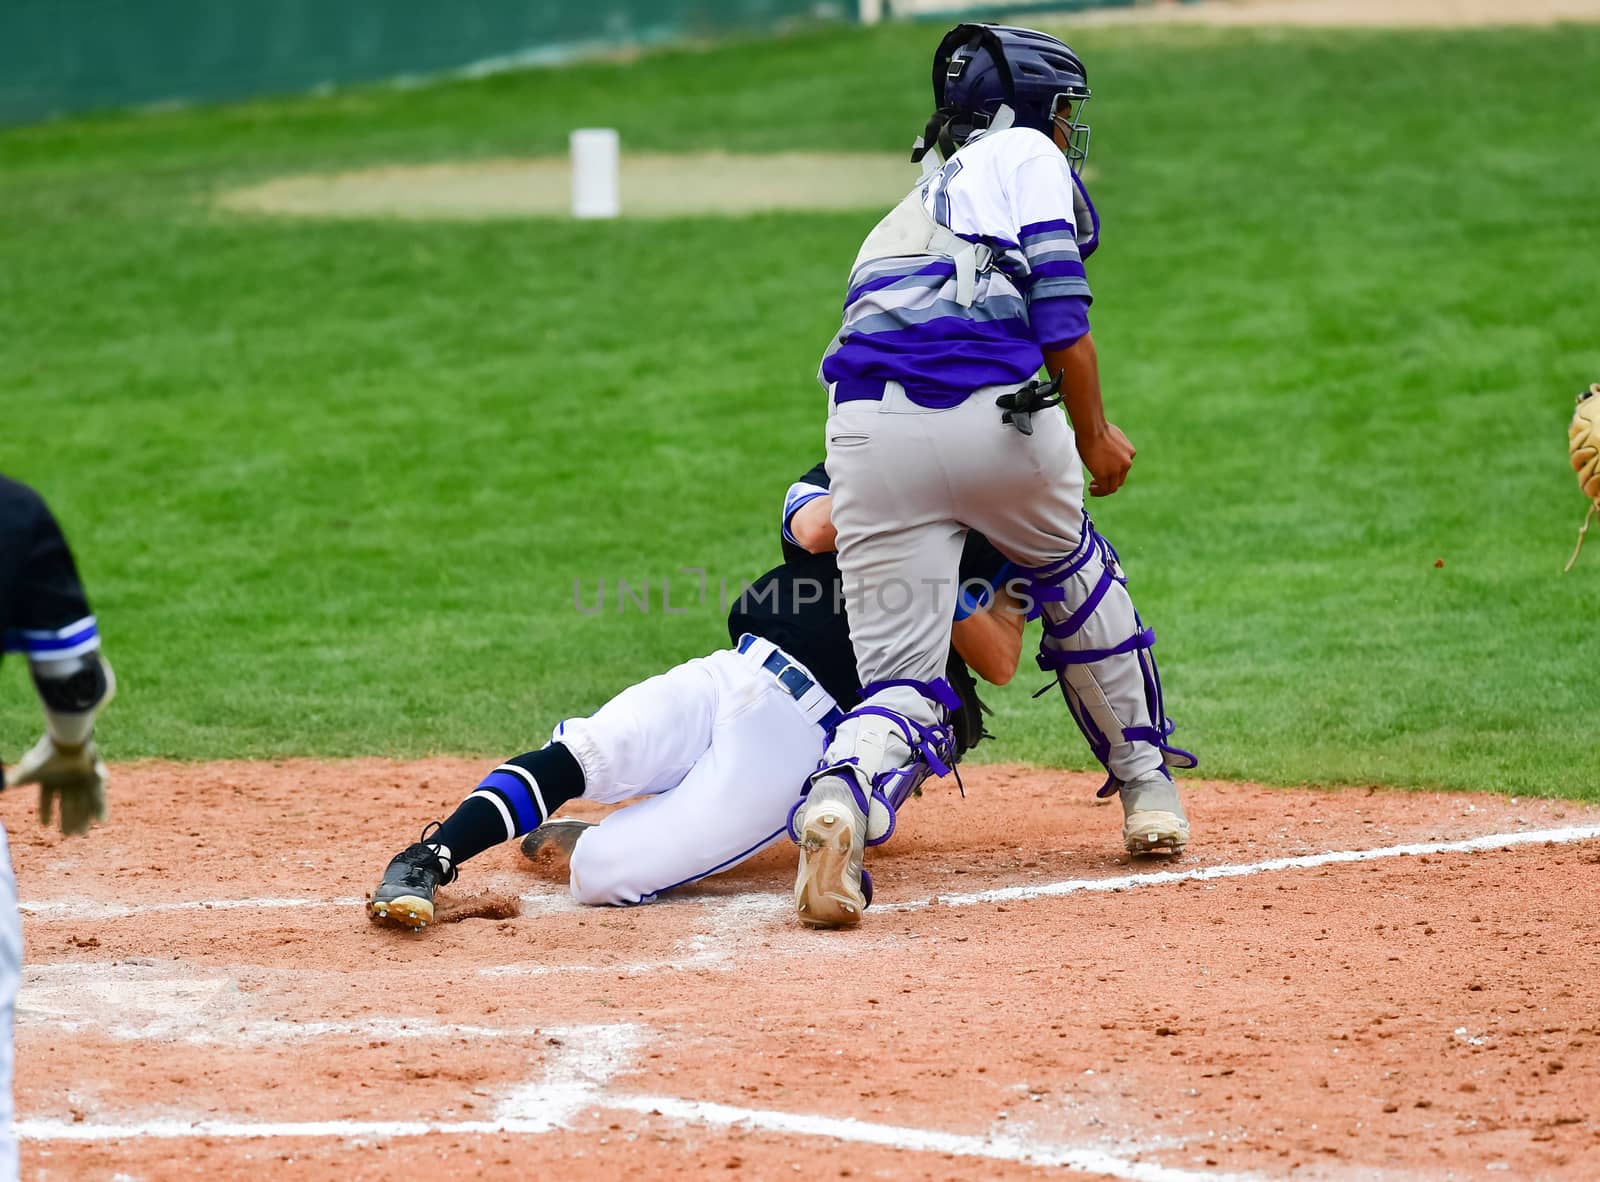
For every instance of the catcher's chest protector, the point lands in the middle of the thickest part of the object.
(908, 231)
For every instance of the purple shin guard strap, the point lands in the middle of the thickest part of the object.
(938, 690)
(1063, 569)
(1074, 623)
(1157, 737)
(921, 739)
(894, 819)
(845, 769)
(1060, 659)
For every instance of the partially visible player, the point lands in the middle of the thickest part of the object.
(719, 747)
(44, 615)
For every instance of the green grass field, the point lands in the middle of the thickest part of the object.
(331, 483)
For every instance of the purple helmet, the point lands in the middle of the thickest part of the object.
(995, 76)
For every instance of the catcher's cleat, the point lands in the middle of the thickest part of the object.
(405, 896)
(557, 835)
(1152, 816)
(828, 888)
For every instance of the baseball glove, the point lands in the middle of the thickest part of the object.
(1583, 444)
(966, 723)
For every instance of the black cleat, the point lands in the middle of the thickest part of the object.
(405, 896)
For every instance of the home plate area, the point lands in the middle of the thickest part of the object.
(1329, 984)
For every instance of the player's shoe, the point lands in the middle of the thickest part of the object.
(828, 889)
(1152, 816)
(557, 835)
(405, 896)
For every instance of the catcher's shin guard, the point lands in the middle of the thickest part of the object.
(876, 758)
(1099, 650)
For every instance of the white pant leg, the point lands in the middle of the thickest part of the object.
(733, 802)
(10, 982)
(645, 739)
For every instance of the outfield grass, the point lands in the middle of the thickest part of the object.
(331, 484)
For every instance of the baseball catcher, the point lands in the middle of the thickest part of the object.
(937, 425)
(718, 747)
(1583, 447)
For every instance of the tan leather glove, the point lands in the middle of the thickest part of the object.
(1583, 445)
(73, 776)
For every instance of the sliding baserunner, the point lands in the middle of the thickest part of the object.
(718, 747)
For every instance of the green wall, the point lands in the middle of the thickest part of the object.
(59, 56)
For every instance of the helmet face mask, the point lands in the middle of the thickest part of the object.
(1066, 116)
(986, 77)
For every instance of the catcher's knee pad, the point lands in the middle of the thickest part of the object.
(1099, 649)
(884, 756)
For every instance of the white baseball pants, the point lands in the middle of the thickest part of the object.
(717, 749)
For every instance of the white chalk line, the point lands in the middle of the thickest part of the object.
(56, 909)
(860, 1132)
(61, 909)
(1491, 841)
(584, 1060)
(566, 1098)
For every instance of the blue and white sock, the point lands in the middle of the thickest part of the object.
(513, 799)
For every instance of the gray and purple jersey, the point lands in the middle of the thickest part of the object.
(1012, 191)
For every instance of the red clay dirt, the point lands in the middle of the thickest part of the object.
(205, 958)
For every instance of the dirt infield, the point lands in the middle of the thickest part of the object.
(204, 996)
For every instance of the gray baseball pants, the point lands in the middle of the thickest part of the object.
(907, 484)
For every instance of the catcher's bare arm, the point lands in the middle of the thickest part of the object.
(1102, 446)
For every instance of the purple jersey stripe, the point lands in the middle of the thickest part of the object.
(1063, 267)
(940, 361)
(1054, 226)
(940, 268)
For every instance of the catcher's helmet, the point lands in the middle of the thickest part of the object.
(994, 76)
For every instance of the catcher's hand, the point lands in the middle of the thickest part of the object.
(1583, 445)
(73, 776)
